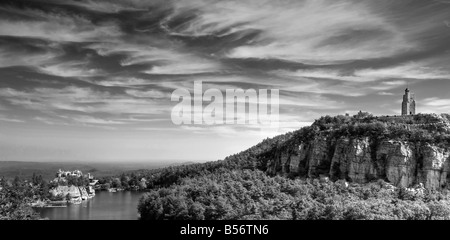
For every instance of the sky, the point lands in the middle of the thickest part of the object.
(92, 80)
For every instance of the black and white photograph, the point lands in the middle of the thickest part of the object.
(224, 110)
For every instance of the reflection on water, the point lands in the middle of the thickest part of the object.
(104, 206)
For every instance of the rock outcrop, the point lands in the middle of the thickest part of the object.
(90, 191)
(434, 165)
(318, 159)
(399, 162)
(352, 160)
(361, 160)
(63, 191)
(76, 194)
(83, 193)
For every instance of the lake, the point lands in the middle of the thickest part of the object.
(104, 206)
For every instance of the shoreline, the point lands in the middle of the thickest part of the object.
(65, 203)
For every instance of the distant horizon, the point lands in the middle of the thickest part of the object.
(120, 162)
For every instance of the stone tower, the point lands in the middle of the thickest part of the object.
(408, 104)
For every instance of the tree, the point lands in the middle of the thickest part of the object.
(124, 181)
(116, 183)
(15, 200)
(105, 186)
(142, 185)
(196, 211)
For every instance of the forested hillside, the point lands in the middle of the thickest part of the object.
(259, 183)
(246, 194)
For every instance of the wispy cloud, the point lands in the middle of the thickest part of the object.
(57, 27)
(160, 60)
(148, 94)
(83, 100)
(385, 94)
(15, 57)
(70, 69)
(113, 64)
(130, 82)
(301, 33)
(92, 120)
(8, 119)
(436, 105)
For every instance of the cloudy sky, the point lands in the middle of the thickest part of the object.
(92, 80)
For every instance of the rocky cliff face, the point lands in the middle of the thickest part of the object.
(76, 193)
(65, 190)
(361, 160)
(90, 191)
(83, 193)
(434, 165)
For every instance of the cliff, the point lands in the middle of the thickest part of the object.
(360, 160)
(405, 151)
(65, 190)
(77, 194)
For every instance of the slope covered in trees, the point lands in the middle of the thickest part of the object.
(246, 194)
(419, 128)
(241, 187)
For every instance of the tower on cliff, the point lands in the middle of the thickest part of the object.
(409, 103)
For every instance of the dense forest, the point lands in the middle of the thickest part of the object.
(246, 194)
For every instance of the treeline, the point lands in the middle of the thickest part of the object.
(164, 177)
(246, 194)
(365, 117)
(129, 181)
(421, 127)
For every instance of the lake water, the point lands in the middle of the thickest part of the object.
(104, 206)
